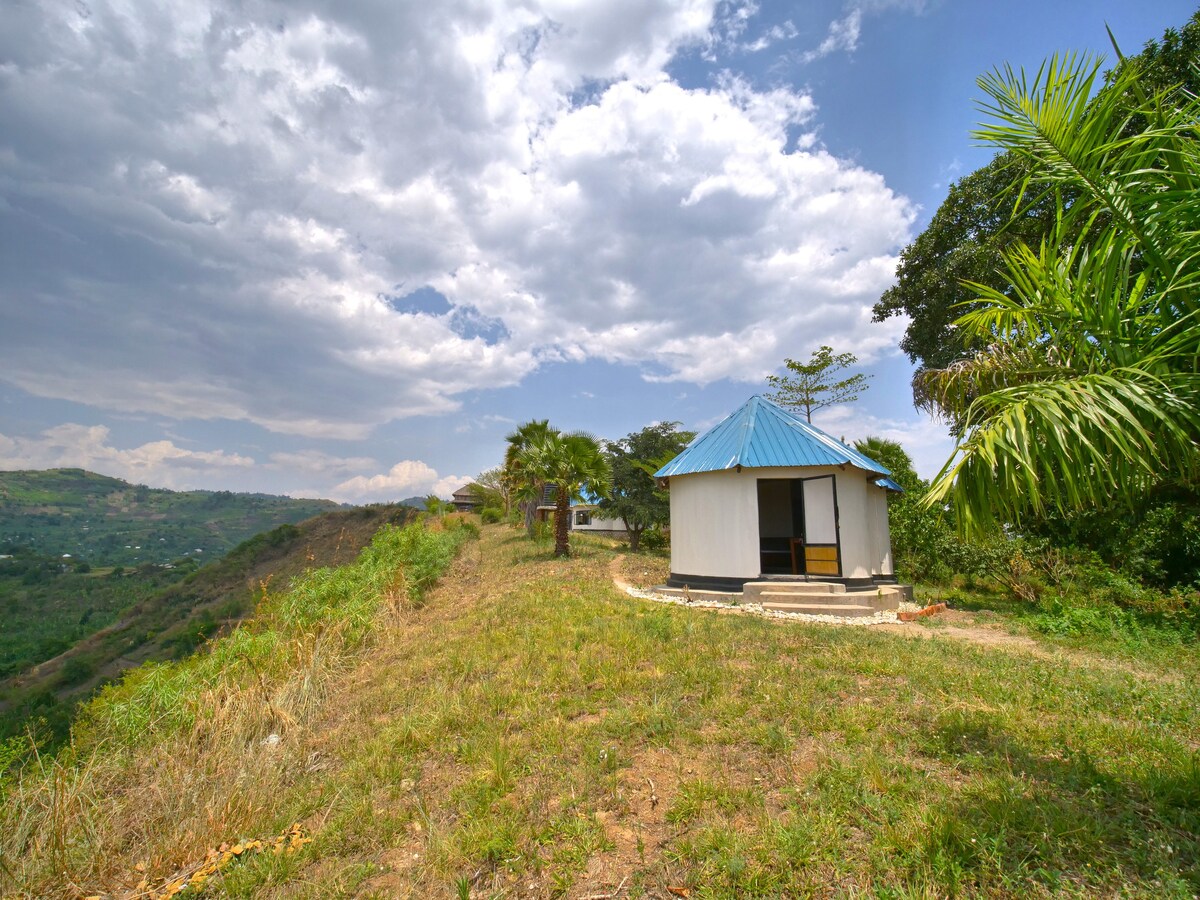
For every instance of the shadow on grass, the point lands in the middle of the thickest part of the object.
(1060, 820)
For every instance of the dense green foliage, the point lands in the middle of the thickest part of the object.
(168, 613)
(1051, 575)
(46, 604)
(109, 522)
(634, 497)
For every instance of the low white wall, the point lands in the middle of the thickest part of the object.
(598, 524)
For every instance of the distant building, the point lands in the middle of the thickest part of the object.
(466, 500)
(585, 516)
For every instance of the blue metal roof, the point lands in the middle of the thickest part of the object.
(889, 484)
(761, 434)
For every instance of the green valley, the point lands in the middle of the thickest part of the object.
(82, 516)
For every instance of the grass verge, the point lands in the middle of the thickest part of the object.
(179, 755)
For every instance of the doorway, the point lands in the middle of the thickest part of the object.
(798, 526)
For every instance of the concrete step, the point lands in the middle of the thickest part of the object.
(801, 596)
(879, 599)
(752, 590)
(847, 610)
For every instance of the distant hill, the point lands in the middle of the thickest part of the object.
(107, 521)
(169, 621)
(414, 502)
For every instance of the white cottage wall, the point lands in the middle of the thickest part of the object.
(714, 524)
(881, 537)
(596, 523)
(855, 524)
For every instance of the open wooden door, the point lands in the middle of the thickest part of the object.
(822, 544)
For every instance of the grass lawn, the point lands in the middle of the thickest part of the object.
(529, 731)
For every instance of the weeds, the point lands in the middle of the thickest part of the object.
(212, 737)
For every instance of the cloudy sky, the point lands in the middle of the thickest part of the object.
(340, 249)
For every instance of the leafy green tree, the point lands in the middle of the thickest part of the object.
(493, 488)
(436, 506)
(567, 461)
(814, 385)
(1088, 389)
(634, 497)
(981, 216)
(1167, 65)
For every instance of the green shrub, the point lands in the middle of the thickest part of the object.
(655, 540)
(490, 515)
(1075, 593)
(76, 670)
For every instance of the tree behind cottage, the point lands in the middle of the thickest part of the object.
(634, 496)
(814, 385)
(1088, 392)
(995, 208)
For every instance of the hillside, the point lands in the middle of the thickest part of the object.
(169, 616)
(109, 522)
(528, 730)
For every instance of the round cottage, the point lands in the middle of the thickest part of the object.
(764, 494)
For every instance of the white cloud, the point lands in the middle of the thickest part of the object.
(316, 462)
(161, 463)
(407, 478)
(246, 195)
(843, 35)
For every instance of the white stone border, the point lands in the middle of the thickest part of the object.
(883, 617)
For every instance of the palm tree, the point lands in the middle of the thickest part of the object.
(528, 491)
(892, 455)
(1089, 389)
(568, 461)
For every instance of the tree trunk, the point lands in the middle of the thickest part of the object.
(635, 537)
(530, 507)
(562, 512)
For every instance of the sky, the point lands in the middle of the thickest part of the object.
(341, 249)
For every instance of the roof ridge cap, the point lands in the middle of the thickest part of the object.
(748, 431)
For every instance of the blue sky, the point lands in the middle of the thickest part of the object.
(340, 249)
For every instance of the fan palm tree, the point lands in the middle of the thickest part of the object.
(1089, 389)
(527, 491)
(568, 461)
